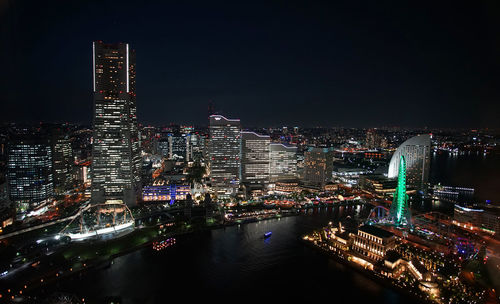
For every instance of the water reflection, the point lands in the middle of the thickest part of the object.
(237, 262)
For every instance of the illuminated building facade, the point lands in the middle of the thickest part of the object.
(318, 166)
(165, 192)
(163, 146)
(416, 151)
(255, 158)
(115, 148)
(225, 154)
(179, 146)
(61, 158)
(285, 186)
(29, 172)
(373, 242)
(282, 162)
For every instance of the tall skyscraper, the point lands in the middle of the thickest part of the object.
(318, 166)
(416, 152)
(255, 158)
(115, 149)
(283, 162)
(225, 154)
(29, 172)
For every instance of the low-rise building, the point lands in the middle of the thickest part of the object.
(373, 242)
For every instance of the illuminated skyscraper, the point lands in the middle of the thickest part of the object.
(255, 158)
(61, 157)
(416, 151)
(115, 149)
(318, 166)
(29, 172)
(283, 162)
(225, 154)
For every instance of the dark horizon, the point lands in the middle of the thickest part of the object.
(269, 64)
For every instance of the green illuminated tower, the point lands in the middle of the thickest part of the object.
(400, 211)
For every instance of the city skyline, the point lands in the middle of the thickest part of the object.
(294, 56)
(151, 152)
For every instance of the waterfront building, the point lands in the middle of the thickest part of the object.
(490, 220)
(468, 218)
(377, 184)
(416, 151)
(318, 166)
(282, 162)
(29, 172)
(225, 155)
(373, 242)
(419, 271)
(115, 150)
(255, 158)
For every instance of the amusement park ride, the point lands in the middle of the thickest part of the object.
(399, 214)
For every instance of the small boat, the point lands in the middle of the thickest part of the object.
(267, 234)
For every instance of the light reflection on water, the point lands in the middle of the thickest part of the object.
(237, 261)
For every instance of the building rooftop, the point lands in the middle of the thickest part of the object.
(376, 231)
(392, 256)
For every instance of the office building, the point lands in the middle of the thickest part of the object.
(416, 151)
(29, 172)
(225, 154)
(255, 158)
(62, 158)
(115, 150)
(180, 146)
(283, 162)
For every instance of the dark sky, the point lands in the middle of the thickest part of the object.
(270, 63)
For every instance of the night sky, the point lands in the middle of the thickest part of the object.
(270, 63)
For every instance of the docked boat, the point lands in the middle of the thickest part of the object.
(267, 234)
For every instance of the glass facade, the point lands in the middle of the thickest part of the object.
(225, 154)
(115, 149)
(283, 162)
(29, 173)
(255, 158)
(416, 152)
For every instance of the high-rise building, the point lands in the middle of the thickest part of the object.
(255, 158)
(62, 157)
(318, 166)
(225, 154)
(115, 150)
(29, 172)
(163, 146)
(283, 162)
(179, 146)
(374, 140)
(416, 152)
